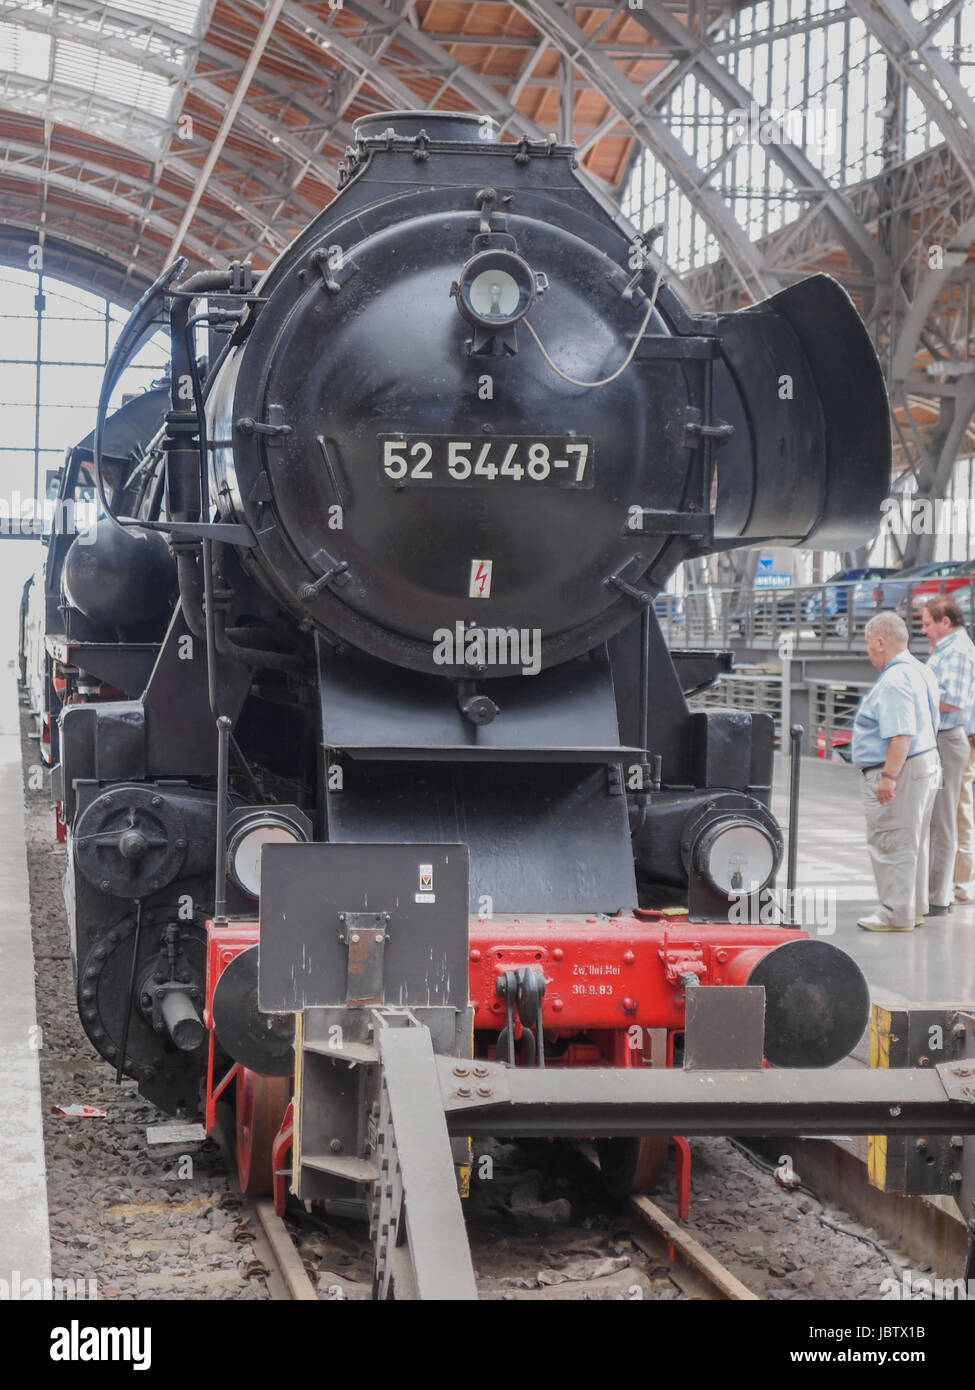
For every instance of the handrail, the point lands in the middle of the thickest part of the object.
(821, 618)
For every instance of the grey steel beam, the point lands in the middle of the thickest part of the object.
(416, 1154)
(524, 1102)
(109, 176)
(925, 296)
(89, 191)
(650, 127)
(853, 236)
(436, 61)
(95, 158)
(931, 179)
(284, 137)
(274, 8)
(351, 81)
(937, 462)
(914, 55)
(433, 61)
(527, 68)
(132, 131)
(359, 61)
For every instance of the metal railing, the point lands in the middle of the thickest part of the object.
(832, 707)
(819, 617)
(759, 692)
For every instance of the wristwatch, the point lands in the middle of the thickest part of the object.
(891, 776)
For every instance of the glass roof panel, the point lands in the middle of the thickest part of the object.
(24, 52)
(30, 53)
(174, 14)
(79, 65)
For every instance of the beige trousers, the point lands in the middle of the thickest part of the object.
(897, 838)
(953, 749)
(965, 825)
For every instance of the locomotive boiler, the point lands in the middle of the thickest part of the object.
(403, 534)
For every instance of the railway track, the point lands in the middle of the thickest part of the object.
(694, 1270)
(746, 1239)
(664, 1253)
(286, 1269)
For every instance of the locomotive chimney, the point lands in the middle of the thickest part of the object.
(467, 126)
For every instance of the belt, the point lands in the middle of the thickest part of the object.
(872, 767)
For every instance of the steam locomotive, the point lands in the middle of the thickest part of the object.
(382, 573)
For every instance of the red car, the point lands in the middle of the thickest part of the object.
(841, 745)
(962, 579)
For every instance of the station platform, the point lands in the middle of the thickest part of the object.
(25, 1250)
(934, 962)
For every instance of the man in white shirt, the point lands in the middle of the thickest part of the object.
(965, 824)
(952, 660)
(894, 748)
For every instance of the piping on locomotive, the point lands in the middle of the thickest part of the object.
(464, 401)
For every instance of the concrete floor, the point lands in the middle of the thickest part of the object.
(934, 962)
(24, 1240)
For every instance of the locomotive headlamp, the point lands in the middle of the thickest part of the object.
(251, 830)
(736, 855)
(495, 289)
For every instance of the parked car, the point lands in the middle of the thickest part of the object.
(841, 749)
(958, 582)
(763, 612)
(965, 599)
(890, 592)
(833, 600)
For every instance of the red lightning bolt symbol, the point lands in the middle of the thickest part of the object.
(481, 578)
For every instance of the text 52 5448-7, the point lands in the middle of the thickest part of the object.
(439, 460)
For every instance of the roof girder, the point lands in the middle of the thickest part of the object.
(649, 126)
(802, 173)
(95, 157)
(211, 93)
(89, 191)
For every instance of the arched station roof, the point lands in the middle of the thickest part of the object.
(134, 131)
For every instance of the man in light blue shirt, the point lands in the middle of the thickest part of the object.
(952, 660)
(894, 746)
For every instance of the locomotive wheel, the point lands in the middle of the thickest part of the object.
(261, 1103)
(631, 1165)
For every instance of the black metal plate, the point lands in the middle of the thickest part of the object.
(562, 715)
(724, 1029)
(303, 959)
(544, 838)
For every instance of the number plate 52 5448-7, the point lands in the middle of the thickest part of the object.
(439, 460)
